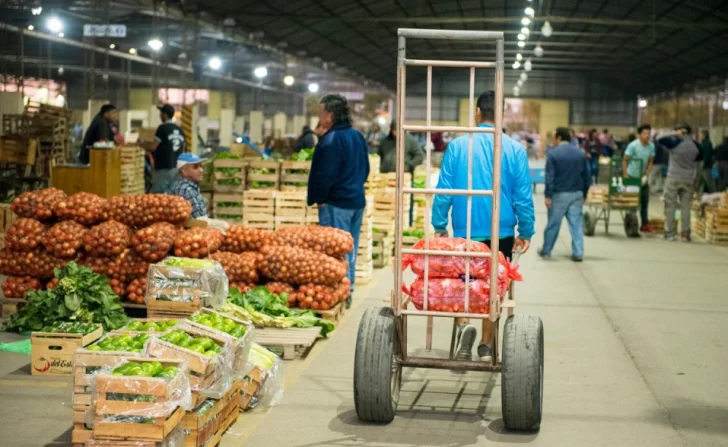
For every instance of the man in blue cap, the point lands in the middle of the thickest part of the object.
(187, 185)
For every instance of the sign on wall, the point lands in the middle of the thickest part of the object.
(104, 30)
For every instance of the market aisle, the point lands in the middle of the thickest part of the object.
(634, 357)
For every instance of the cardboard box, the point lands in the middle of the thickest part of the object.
(52, 353)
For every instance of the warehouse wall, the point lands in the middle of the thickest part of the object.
(269, 102)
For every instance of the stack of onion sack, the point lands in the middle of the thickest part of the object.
(241, 268)
(446, 285)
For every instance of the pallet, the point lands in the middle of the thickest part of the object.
(294, 175)
(291, 340)
(220, 178)
(228, 207)
(334, 314)
(52, 353)
(291, 203)
(272, 178)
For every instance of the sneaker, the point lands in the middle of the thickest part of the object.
(485, 352)
(466, 338)
(647, 229)
(542, 254)
(670, 238)
(577, 258)
(686, 237)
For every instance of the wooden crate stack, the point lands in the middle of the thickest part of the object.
(294, 175)
(716, 224)
(290, 209)
(264, 174)
(228, 207)
(364, 259)
(259, 209)
(312, 217)
(597, 195)
(206, 423)
(382, 248)
(7, 219)
(132, 169)
(229, 176)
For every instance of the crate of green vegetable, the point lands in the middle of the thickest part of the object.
(207, 355)
(264, 174)
(108, 351)
(239, 334)
(52, 348)
(294, 175)
(229, 175)
(148, 326)
(228, 207)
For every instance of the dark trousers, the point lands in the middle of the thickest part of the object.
(505, 246)
(644, 204)
(722, 175)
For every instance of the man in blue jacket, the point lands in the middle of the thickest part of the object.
(339, 169)
(516, 204)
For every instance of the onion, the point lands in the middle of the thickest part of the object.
(37, 204)
(141, 210)
(82, 207)
(25, 235)
(64, 238)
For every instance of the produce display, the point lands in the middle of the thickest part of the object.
(242, 286)
(150, 326)
(37, 204)
(136, 290)
(219, 323)
(187, 280)
(24, 235)
(107, 239)
(146, 369)
(279, 287)
(229, 176)
(120, 343)
(18, 286)
(329, 241)
(239, 239)
(300, 266)
(318, 297)
(80, 295)
(38, 263)
(202, 345)
(82, 207)
(154, 242)
(197, 242)
(303, 155)
(68, 327)
(117, 286)
(64, 238)
(239, 267)
(141, 210)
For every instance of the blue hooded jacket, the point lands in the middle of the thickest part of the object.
(516, 203)
(339, 169)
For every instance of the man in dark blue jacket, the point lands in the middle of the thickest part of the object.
(567, 183)
(339, 169)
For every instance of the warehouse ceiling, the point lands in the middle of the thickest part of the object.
(643, 46)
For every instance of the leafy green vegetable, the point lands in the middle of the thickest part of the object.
(67, 327)
(414, 233)
(189, 262)
(81, 295)
(303, 155)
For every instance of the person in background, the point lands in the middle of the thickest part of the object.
(100, 129)
(387, 151)
(683, 175)
(659, 166)
(375, 137)
(637, 162)
(567, 184)
(631, 137)
(168, 144)
(574, 140)
(592, 150)
(339, 169)
(187, 185)
(516, 203)
(437, 142)
(721, 162)
(307, 140)
(606, 139)
(707, 183)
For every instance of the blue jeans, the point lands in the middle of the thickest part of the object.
(570, 205)
(347, 220)
(594, 167)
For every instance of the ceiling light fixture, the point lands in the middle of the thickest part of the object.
(54, 24)
(61, 34)
(521, 44)
(519, 56)
(313, 87)
(525, 21)
(529, 12)
(642, 103)
(289, 80)
(215, 63)
(36, 11)
(132, 50)
(527, 65)
(260, 72)
(524, 77)
(538, 51)
(521, 36)
(516, 65)
(546, 29)
(31, 27)
(155, 44)
(112, 46)
(525, 31)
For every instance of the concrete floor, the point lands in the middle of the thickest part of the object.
(635, 356)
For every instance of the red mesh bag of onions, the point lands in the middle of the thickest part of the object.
(141, 210)
(329, 241)
(107, 239)
(239, 239)
(82, 207)
(300, 266)
(64, 238)
(239, 267)
(153, 243)
(36, 263)
(37, 204)
(25, 235)
(197, 242)
(17, 286)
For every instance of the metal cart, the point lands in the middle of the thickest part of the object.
(620, 197)
(381, 347)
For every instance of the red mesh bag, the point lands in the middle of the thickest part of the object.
(65, 238)
(239, 239)
(197, 242)
(37, 204)
(25, 235)
(82, 207)
(239, 267)
(17, 286)
(154, 242)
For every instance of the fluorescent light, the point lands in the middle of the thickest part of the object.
(54, 24)
(215, 63)
(155, 44)
(519, 56)
(642, 103)
(521, 36)
(112, 46)
(289, 80)
(521, 44)
(313, 87)
(132, 50)
(260, 72)
(525, 21)
(36, 11)
(516, 65)
(529, 12)
(538, 51)
(525, 31)
(31, 27)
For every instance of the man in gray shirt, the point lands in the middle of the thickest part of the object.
(683, 174)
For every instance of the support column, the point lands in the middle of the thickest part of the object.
(227, 118)
(256, 126)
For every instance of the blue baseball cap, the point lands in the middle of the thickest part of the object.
(188, 158)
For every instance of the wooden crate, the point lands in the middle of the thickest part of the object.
(200, 427)
(240, 346)
(228, 207)
(132, 169)
(190, 282)
(364, 272)
(269, 179)
(7, 217)
(259, 202)
(156, 431)
(80, 433)
(249, 387)
(289, 221)
(291, 203)
(294, 175)
(221, 181)
(207, 370)
(312, 217)
(52, 353)
(290, 340)
(382, 253)
(260, 221)
(18, 150)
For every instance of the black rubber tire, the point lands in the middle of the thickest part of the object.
(522, 374)
(590, 224)
(631, 225)
(376, 345)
